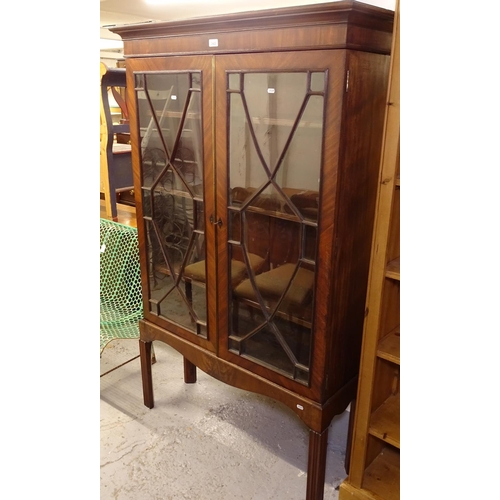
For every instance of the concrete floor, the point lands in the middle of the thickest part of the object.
(201, 441)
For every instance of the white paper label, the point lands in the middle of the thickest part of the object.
(300, 407)
(213, 42)
(271, 91)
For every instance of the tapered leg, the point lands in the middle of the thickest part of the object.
(316, 464)
(189, 372)
(146, 372)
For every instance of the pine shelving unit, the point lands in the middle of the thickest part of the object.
(374, 471)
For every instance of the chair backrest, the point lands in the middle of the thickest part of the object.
(120, 276)
(111, 79)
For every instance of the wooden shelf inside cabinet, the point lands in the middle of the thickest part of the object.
(384, 423)
(389, 347)
(381, 480)
(279, 215)
(382, 475)
(257, 120)
(178, 193)
(392, 270)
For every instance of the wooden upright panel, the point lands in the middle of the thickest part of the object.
(374, 468)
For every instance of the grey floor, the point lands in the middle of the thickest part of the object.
(201, 441)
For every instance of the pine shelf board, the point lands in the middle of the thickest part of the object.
(380, 481)
(392, 269)
(389, 347)
(384, 422)
(382, 476)
(349, 492)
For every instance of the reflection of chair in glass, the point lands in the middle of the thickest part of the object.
(196, 272)
(280, 283)
(256, 247)
(284, 286)
(306, 202)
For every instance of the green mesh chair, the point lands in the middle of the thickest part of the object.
(120, 283)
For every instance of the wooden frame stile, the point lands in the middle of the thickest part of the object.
(374, 467)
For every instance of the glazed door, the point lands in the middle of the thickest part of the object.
(173, 98)
(271, 128)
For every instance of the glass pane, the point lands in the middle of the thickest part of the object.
(234, 81)
(234, 226)
(296, 293)
(317, 82)
(274, 101)
(301, 183)
(275, 154)
(199, 222)
(257, 234)
(277, 345)
(146, 202)
(169, 111)
(139, 82)
(309, 240)
(187, 156)
(246, 170)
(160, 107)
(154, 162)
(196, 81)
